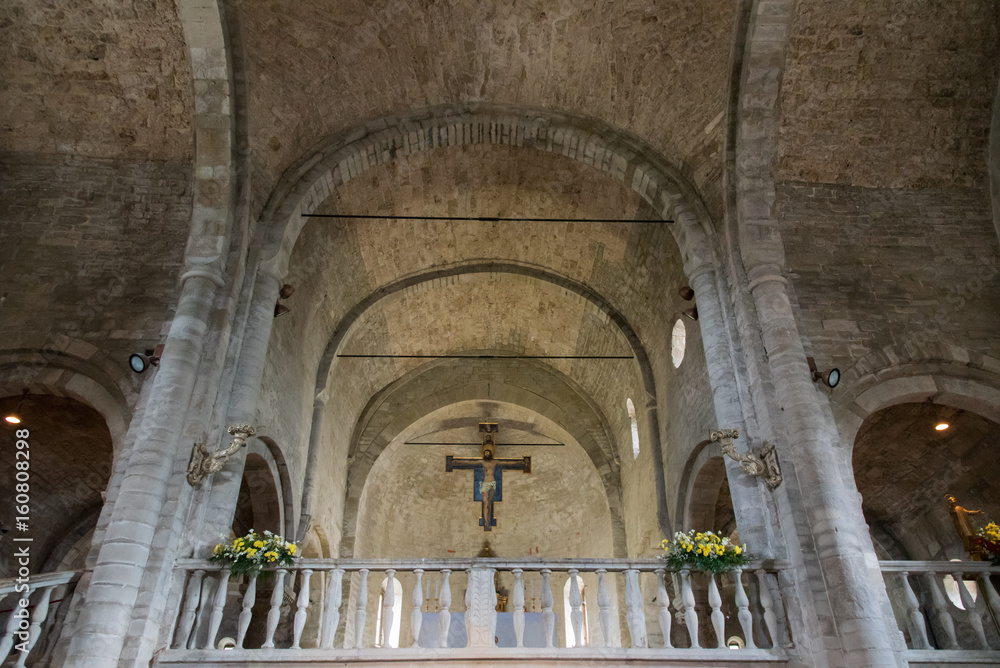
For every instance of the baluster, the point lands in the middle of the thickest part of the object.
(941, 608)
(388, 601)
(635, 616)
(218, 605)
(274, 614)
(321, 587)
(302, 603)
(518, 607)
(690, 614)
(604, 606)
(576, 611)
(204, 599)
(37, 619)
(7, 641)
(918, 630)
(191, 600)
(675, 580)
(970, 609)
(416, 600)
(444, 600)
(548, 617)
(331, 618)
(248, 600)
(989, 591)
(663, 601)
(718, 621)
(766, 602)
(743, 605)
(361, 610)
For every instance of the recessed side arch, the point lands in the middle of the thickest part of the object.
(380, 424)
(67, 376)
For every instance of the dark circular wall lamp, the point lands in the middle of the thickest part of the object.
(830, 377)
(139, 362)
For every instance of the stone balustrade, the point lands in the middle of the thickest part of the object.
(30, 631)
(343, 608)
(942, 620)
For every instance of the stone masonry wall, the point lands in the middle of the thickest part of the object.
(876, 267)
(90, 249)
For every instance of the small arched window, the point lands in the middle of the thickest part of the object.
(678, 340)
(397, 610)
(571, 639)
(630, 407)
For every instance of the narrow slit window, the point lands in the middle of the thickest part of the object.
(630, 407)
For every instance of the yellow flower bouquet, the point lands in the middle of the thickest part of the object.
(988, 541)
(247, 554)
(705, 551)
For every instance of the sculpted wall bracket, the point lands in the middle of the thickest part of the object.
(205, 463)
(765, 466)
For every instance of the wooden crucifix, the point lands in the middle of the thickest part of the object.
(487, 470)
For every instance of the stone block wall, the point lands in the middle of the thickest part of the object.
(877, 267)
(90, 250)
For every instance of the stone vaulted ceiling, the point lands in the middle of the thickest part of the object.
(99, 79)
(658, 70)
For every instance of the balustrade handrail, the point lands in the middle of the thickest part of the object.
(8, 585)
(942, 567)
(752, 591)
(409, 564)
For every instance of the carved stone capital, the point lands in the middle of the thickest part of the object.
(205, 463)
(765, 466)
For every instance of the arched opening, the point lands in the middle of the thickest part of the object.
(258, 506)
(711, 505)
(905, 467)
(65, 468)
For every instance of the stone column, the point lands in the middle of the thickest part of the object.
(225, 485)
(107, 612)
(854, 592)
(309, 486)
(751, 501)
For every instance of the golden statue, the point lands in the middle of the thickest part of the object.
(964, 529)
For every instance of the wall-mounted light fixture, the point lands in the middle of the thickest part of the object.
(139, 362)
(830, 377)
(15, 416)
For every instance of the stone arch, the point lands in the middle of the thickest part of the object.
(259, 504)
(349, 153)
(268, 452)
(598, 448)
(64, 375)
(939, 373)
(642, 358)
(704, 474)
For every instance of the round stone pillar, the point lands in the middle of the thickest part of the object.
(107, 611)
(851, 580)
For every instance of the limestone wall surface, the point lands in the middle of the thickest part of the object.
(872, 268)
(90, 251)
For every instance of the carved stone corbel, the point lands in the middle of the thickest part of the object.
(765, 466)
(205, 463)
